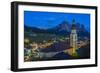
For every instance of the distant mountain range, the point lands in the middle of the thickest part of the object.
(63, 28)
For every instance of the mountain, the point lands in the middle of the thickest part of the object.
(81, 31)
(64, 28)
(35, 29)
(61, 29)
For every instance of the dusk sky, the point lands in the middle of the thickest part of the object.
(47, 20)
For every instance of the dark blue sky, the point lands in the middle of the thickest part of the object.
(47, 20)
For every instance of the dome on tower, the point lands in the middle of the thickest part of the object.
(73, 24)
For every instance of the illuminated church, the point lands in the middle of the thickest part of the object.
(73, 37)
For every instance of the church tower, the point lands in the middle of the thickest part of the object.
(73, 37)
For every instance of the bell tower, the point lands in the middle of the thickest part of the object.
(73, 37)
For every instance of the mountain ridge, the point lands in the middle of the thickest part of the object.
(63, 28)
